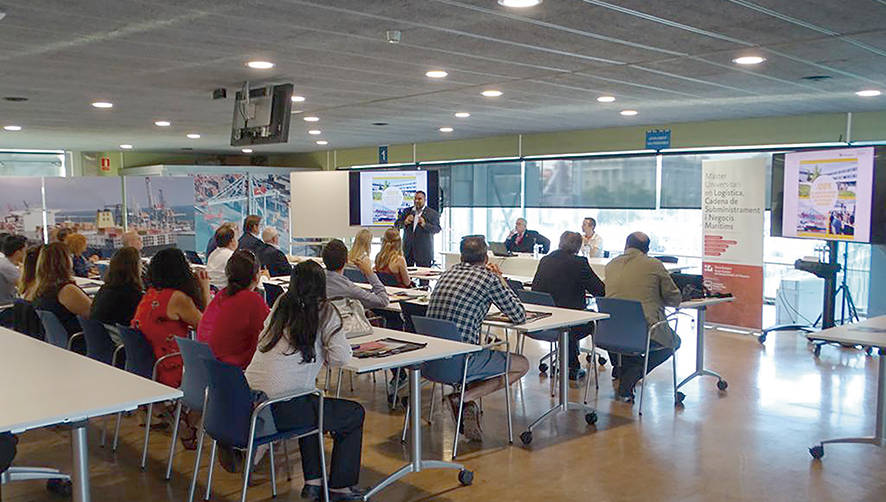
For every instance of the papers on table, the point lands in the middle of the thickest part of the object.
(384, 347)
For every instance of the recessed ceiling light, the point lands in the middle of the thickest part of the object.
(193, 135)
(246, 150)
(260, 65)
(315, 132)
(606, 99)
(311, 118)
(491, 93)
(322, 142)
(162, 123)
(298, 99)
(103, 104)
(868, 93)
(12, 128)
(436, 74)
(629, 113)
(126, 147)
(462, 115)
(446, 129)
(519, 4)
(749, 60)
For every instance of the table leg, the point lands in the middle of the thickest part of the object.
(416, 463)
(699, 355)
(80, 474)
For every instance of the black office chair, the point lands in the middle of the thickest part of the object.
(193, 257)
(666, 259)
(354, 275)
(517, 286)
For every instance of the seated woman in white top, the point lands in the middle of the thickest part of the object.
(302, 331)
(226, 244)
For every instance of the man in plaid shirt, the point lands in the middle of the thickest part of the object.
(463, 295)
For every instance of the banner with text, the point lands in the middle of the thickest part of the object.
(732, 209)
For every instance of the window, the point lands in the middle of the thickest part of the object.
(481, 185)
(681, 177)
(32, 164)
(619, 182)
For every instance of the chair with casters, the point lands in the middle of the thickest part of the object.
(408, 310)
(355, 275)
(56, 481)
(515, 285)
(272, 292)
(454, 371)
(140, 360)
(55, 331)
(230, 419)
(626, 333)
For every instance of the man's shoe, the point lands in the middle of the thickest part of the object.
(471, 421)
(453, 408)
(230, 459)
(615, 372)
(315, 492)
(577, 373)
(625, 397)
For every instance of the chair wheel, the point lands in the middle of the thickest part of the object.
(762, 338)
(542, 368)
(602, 360)
(589, 358)
(817, 451)
(679, 399)
(465, 477)
(61, 487)
(591, 418)
(526, 437)
(722, 384)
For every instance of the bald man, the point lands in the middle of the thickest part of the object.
(270, 255)
(132, 239)
(521, 240)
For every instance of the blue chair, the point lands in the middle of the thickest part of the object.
(551, 336)
(55, 331)
(140, 360)
(25, 319)
(193, 257)
(515, 285)
(99, 345)
(454, 370)
(627, 333)
(272, 292)
(354, 275)
(229, 418)
(193, 387)
(387, 279)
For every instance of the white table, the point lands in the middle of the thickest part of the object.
(436, 348)
(701, 307)
(560, 319)
(89, 286)
(871, 333)
(46, 385)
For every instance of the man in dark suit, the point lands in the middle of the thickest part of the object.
(567, 277)
(249, 240)
(521, 240)
(271, 257)
(419, 224)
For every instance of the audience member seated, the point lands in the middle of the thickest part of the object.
(210, 246)
(521, 240)
(390, 259)
(13, 249)
(119, 296)
(55, 289)
(303, 332)
(463, 295)
(335, 256)
(271, 257)
(636, 276)
(567, 277)
(249, 240)
(60, 234)
(172, 305)
(218, 260)
(77, 246)
(132, 239)
(28, 278)
(361, 247)
(235, 317)
(591, 241)
(3, 237)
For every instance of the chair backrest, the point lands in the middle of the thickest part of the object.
(99, 345)
(515, 284)
(139, 353)
(666, 259)
(229, 405)
(193, 257)
(54, 330)
(194, 377)
(388, 279)
(25, 319)
(605, 254)
(410, 310)
(626, 330)
(536, 298)
(448, 371)
(272, 292)
(354, 275)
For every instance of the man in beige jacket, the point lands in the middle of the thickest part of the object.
(636, 276)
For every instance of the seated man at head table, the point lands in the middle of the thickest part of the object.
(521, 240)
(591, 241)
(567, 277)
(463, 295)
(636, 276)
(271, 257)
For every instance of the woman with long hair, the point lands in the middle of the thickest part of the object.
(116, 301)
(171, 306)
(390, 259)
(28, 278)
(360, 248)
(55, 289)
(303, 332)
(77, 246)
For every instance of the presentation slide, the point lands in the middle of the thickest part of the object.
(384, 193)
(828, 194)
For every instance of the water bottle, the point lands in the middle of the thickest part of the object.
(536, 250)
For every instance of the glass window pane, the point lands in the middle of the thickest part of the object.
(623, 183)
(482, 185)
(681, 178)
(32, 164)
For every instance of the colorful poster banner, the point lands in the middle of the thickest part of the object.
(733, 205)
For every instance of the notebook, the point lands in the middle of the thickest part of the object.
(384, 347)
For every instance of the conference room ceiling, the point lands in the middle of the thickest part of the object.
(669, 60)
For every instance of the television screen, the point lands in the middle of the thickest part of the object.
(833, 194)
(376, 197)
(262, 117)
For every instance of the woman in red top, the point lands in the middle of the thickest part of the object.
(390, 259)
(236, 316)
